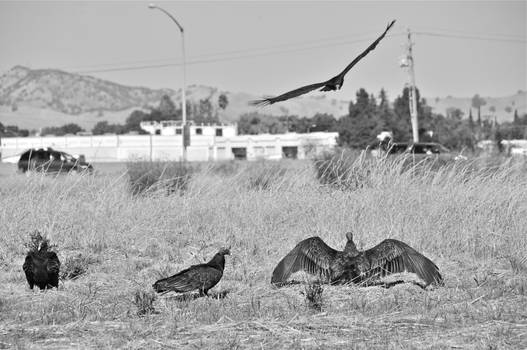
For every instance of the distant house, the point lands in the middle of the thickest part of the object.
(175, 127)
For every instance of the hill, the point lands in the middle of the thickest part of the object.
(503, 106)
(49, 97)
(35, 98)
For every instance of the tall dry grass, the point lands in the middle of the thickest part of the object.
(469, 218)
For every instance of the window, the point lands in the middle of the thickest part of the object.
(219, 132)
(239, 152)
(290, 152)
(178, 131)
(199, 131)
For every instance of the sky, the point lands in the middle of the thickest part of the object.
(460, 48)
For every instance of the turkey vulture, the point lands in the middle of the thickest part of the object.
(42, 267)
(201, 277)
(334, 83)
(389, 257)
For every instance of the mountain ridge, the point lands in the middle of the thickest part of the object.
(32, 98)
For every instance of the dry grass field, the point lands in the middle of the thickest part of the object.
(470, 220)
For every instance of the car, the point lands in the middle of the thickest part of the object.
(421, 150)
(49, 160)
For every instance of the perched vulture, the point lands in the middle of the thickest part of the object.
(200, 277)
(367, 267)
(42, 267)
(334, 83)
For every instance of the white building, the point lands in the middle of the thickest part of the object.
(120, 148)
(175, 127)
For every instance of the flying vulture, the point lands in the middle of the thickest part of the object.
(200, 277)
(367, 267)
(42, 267)
(334, 83)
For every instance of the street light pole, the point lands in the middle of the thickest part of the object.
(184, 130)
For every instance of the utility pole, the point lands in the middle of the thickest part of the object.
(408, 62)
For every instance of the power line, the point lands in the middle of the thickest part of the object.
(268, 51)
(228, 58)
(460, 36)
(364, 37)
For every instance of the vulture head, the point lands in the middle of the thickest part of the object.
(350, 248)
(225, 251)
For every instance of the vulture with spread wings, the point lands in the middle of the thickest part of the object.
(334, 83)
(200, 277)
(367, 267)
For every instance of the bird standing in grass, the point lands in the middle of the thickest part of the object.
(42, 266)
(200, 277)
(334, 83)
(367, 267)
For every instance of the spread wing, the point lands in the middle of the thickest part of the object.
(311, 255)
(365, 52)
(195, 277)
(393, 256)
(286, 96)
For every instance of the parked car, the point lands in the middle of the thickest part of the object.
(51, 161)
(420, 150)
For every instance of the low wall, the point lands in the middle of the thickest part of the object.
(112, 148)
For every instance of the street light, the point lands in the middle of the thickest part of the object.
(185, 132)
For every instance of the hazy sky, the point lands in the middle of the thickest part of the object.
(264, 47)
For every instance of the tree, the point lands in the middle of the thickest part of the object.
(134, 119)
(470, 120)
(360, 127)
(223, 101)
(516, 120)
(70, 128)
(323, 122)
(255, 123)
(166, 107)
(103, 127)
(477, 102)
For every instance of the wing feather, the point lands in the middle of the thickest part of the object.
(365, 52)
(311, 255)
(286, 96)
(393, 256)
(195, 277)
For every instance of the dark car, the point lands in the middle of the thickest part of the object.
(420, 150)
(51, 161)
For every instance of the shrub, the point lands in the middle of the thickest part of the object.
(144, 301)
(172, 177)
(313, 293)
(75, 266)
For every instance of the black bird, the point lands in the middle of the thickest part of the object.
(201, 277)
(367, 267)
(42, 267)
(334, 83)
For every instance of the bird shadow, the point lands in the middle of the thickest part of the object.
(193, 296)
